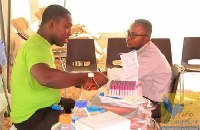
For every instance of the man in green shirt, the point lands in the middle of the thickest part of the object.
(35, 81)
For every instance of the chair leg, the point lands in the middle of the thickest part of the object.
(156, 124)
(65, 92)
(62, 62)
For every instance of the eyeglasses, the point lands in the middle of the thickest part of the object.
(132, 34)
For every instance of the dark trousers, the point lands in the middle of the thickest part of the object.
(44, 118)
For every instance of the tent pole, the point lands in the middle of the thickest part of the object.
(65, 3)
(8, 46)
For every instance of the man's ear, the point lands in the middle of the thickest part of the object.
(147, 39)
(51, 23)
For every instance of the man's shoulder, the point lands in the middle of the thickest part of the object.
(153, 48)
(150, 51)
(34, 38)
(36, 42)
(154, 51)
(153, 54)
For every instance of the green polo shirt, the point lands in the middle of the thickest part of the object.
(27, 95)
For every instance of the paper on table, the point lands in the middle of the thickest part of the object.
(104, 121)
(114, 74)
(129, 72)
(130, 66)
(132, 75)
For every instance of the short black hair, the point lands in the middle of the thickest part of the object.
(146, 24)
(53, 12)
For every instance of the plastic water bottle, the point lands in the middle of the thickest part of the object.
(80, 110)
(64, 123)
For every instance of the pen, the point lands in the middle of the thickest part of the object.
(57, 107)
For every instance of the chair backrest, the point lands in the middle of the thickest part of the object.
(22, 27)
(81, 55)
(115, 46)
(176, 70)
(39, 13)
(164, 46)
(191, 49)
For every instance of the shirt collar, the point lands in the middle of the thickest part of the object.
(143, 48)
(44, 40)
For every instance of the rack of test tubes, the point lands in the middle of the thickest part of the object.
(122, 88)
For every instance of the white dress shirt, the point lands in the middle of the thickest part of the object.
(155, 73)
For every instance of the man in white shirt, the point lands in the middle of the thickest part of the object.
(154, 73)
